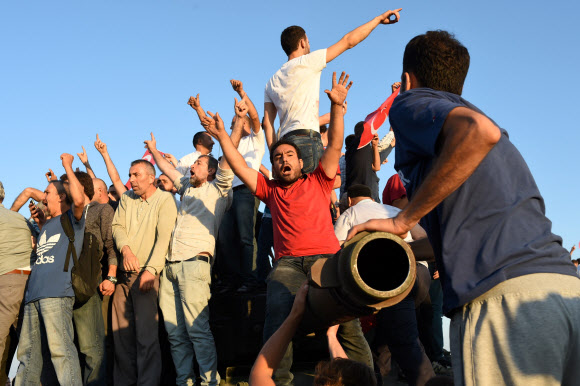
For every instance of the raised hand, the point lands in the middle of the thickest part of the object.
(395, 86)
(240, 108)
(339, 89)
(50, 176)
(170, 158)
(100, 145)
(386, 17)
(194, 102)
(151, 145)
(238, 87)
(375, 140)
(83, 156)
(67, 160)
(213, 124)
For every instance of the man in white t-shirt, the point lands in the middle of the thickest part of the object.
(237, 247)
(293, 91)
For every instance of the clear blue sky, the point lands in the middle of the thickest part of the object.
(71, 69)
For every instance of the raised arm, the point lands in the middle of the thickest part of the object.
(271, 354)
(24, 196)
(85, 160)
(254, 116)
(466, 138)
(163, 164)
(268, 123)
(77, 191)
(359, 34)
(214, 125)
(337, 96)
(376, 156)
(111, 169)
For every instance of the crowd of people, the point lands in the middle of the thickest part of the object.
(84, 278)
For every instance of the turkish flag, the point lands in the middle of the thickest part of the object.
(374, 120)
(148, 157)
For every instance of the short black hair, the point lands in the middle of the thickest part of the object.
(359, 129)
(284, 142)
(358, 190)
(438, 60)
(291, 37)
(60, 189)
(212, 163)
(348, 140)
(323, 129)
(87, 183)
(148, 165)
(197, 137)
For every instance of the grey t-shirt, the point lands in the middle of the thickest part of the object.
(48, 278)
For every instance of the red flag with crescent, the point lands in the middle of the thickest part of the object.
(375, 119)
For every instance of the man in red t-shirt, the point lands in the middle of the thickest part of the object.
(303, 230)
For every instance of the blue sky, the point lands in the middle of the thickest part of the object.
(70, 70)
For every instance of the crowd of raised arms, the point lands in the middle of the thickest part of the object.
(111, 284)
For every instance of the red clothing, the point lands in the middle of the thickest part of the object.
(300, 215)
(393, 190)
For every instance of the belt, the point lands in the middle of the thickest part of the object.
(207, 259)
(303, 133)
(18, 272)
(242, 186)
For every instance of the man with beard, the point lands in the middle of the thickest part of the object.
(303, 230)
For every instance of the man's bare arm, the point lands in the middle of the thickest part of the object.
(111, 169)
(85, 160)
(77, 191)
(215, 127)
(376, 166)
(337, 96)
(253, 113)
(268, 123)
(466, 139)
(24, 196)
(359, 34)
(164, 165)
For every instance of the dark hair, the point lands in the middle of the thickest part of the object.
(358, 190)
(60, 189)
(291, 37)
(197, 137)
(438, 60)
(284, 142)
(348, 140)
(212, 163)
(323, 129)
(343, 372)
(148, 165)
(87, 183)
(359, 128)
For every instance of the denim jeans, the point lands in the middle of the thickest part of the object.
(183, 297)
(265, 244)
(90, 328)
(237, 239)
(284, 280)
(49, 318)
(311, 149)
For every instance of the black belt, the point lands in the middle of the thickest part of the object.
(303, 133)
(205, 258)
(236, 188)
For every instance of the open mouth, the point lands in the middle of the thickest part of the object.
(286, 169)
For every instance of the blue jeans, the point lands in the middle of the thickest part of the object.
(51, 319)
(183, 297)
(311, 149)
(237, 238)
(284, 280)
(90, 328)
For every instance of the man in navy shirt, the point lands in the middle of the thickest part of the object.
(509, 287)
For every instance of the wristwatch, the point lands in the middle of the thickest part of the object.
(112, 279)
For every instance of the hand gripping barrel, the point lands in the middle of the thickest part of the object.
(372, 271)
